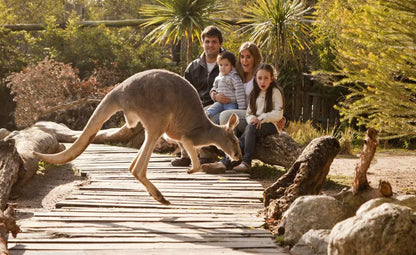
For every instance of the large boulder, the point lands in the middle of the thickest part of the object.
(313, 242)
(384, 230)
(404, 200)
(311, 212)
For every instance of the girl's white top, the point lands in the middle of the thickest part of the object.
(267, 117)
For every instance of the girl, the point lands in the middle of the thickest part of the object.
(265, 109)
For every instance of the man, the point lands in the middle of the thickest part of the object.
(201, 74)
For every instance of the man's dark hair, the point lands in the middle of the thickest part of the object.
(227, 55)
(212, 31)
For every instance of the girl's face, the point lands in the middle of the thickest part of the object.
(263, 79)
(225, 66)
(246, 61)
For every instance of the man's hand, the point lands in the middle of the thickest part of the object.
(281, 123)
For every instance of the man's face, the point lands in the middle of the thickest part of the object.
(211, 46)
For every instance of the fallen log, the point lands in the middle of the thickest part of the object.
(306, 176)
(131, 137)
(7, 224)
(10, 163)
(26, 141)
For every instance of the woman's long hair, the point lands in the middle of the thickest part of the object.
(269, 93)
(254, 51)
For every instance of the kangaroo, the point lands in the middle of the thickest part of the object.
(165, 103)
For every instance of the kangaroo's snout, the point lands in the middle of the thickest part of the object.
(237, 155)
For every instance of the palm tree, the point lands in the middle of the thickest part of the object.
(175, 19)
(277, 26)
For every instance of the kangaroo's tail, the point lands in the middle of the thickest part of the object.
(108, 106)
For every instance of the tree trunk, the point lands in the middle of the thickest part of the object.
(29, 140)
(7, 224)
(10, 164)
(305, 177)
(361, 191)
(131, 137)
(369, 149)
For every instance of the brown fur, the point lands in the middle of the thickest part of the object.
(163, 102)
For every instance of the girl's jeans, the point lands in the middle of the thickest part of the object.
(248, 141)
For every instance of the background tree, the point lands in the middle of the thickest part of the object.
(278, 27)
(374, 47)
(175, 19)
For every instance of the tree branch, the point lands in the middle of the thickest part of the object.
(70, 105)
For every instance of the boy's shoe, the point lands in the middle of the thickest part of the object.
(181, 162)
(213, 168)
(242, 167)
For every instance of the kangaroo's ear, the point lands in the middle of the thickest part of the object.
(232, 122)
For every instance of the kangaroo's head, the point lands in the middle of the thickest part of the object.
(230, 143)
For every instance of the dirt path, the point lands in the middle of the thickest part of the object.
(398, 169)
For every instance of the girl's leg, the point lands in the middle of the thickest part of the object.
(248, 139)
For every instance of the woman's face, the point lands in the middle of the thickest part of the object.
(247, 61)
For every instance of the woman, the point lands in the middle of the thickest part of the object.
(249, 58)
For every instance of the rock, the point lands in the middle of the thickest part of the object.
(408, 200)
(313, 242)
(384, 230)
(279, 150)
(311, 212)
(405, 200)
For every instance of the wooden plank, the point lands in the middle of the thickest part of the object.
(210, 214)
(151, 252)
(170, 251)
(219, 211)
(102, 244)
(33, 224)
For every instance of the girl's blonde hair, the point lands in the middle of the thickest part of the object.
(255, 51)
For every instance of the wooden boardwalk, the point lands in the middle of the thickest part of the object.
(113, 214)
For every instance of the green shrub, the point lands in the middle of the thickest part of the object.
(304, 132)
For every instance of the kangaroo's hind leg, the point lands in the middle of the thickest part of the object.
(139, 166)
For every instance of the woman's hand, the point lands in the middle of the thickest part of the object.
(281, 123)
(255, 121)
(221, 98)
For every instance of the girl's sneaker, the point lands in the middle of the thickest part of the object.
(243, 167)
